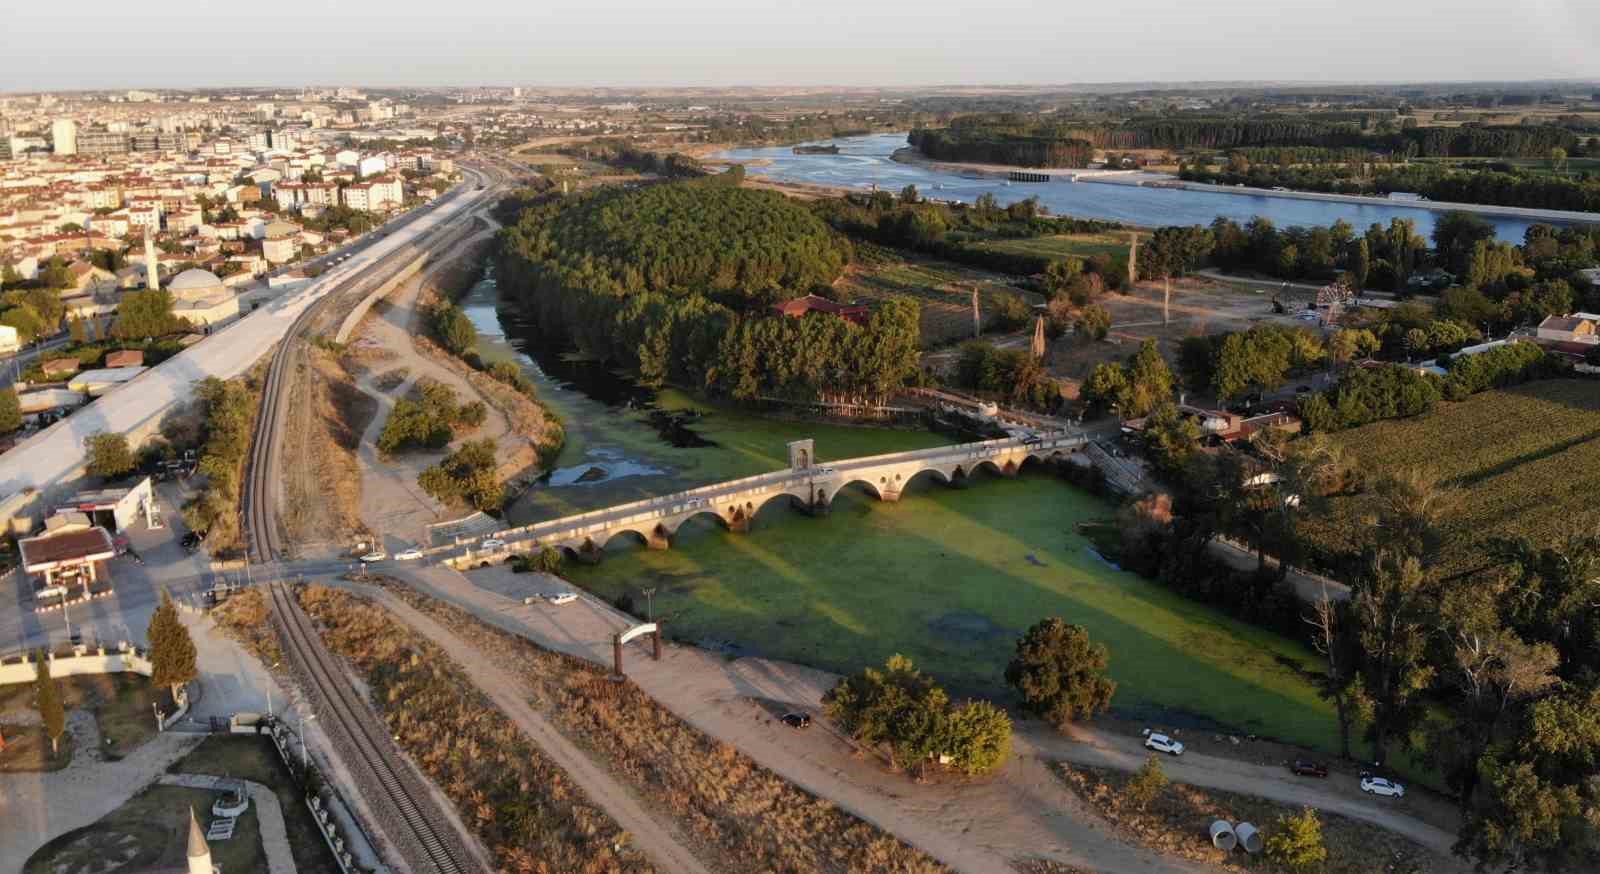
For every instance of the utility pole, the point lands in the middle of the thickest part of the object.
(977, 323)
(1133, 257)
(1166, 301)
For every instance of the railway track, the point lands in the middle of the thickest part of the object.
(260, 498)
(420, 824)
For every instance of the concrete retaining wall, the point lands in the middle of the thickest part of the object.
(91, 661)
(355, 316)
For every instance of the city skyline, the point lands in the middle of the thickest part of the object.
(708, 43)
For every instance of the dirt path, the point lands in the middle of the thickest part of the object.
(977, 826)
(657, 839)
(391, 502)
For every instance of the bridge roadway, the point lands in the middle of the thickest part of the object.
(809, 487)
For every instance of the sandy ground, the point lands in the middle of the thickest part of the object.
(392, 503)
(972, 826)
(1198, 307)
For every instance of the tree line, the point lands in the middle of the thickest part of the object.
(1507, 187)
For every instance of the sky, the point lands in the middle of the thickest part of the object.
(209, 43)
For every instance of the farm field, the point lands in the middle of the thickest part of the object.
(1522, 461)
(951, 578)
(944, 289)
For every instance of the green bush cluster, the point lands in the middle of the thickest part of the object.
(429, 419)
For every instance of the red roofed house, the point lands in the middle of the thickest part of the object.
(811, 303)
(68, 557)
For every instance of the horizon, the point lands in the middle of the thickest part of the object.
(825, 44)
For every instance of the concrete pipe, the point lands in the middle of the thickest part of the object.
(1249, 837)
(1222, 836)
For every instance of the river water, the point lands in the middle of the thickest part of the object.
(865, 161)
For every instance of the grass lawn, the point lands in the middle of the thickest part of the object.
(746, 444)
(150, 832)
(1064, 245)
(253, 758)
(1522, 461)
(28, 749)
(120, 704)
(951, 578)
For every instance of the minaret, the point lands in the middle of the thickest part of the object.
(199, 852)
(152, 277)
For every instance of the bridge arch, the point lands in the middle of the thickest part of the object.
(865, 485)
(927, 473)
(605, 540)
(672, 527)
(766, 502)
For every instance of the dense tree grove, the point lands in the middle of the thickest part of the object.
(228, 409)
(1011, 375)
(1236, 363)
(146, 314)
(1005, 139)
(1060, 673)
(1507, 186)
(675, 281)
(982, 137)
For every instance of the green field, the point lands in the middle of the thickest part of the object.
(943, 289)
(745, 444)
(1522, 461)
(1063, 245)
(951, 578)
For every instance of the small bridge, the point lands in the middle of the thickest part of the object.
(808, 485)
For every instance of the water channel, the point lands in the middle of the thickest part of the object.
(948, 577)
(865, 161)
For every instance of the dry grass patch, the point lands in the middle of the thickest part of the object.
(1176, 822)
(524, 808)
(751, 819)
(323, 492)
(245, 616)
(1046, 866)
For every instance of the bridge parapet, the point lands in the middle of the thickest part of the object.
(735, 502)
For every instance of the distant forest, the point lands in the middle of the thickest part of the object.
(1038, 141)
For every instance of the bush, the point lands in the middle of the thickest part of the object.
(1297, 842)
(429, 419)
(904, 711)
(1146, 784)
(466, 476)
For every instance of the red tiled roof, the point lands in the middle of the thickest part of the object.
(43, 552)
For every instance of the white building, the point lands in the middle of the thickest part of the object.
(64, 134)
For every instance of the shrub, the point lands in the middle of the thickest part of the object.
(1297, 843)
(466, 476)
(1146, 784)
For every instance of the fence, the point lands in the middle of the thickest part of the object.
(282, 741)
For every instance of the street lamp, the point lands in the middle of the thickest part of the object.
(269, 687)
(650, 603)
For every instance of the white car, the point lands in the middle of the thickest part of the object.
(559, 598)
(411, 554)
(1380, 786)
(375, 555)
(1163, 744)
(492, 543)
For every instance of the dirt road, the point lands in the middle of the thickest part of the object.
(969, 825)
(977, 826)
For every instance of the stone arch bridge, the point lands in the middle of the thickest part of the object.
(809, 487)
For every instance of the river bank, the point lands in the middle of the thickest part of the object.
(909, 155)
(868, 161)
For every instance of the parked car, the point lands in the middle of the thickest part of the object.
(1163, 744)
(559, 598)
(492, 543)
(375, 555)
(797, 720)
(411, 554)
(191, 541)
(1382, 786)
(1302, 389)
(1308, 768)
